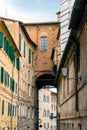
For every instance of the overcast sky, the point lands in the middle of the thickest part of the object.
(30, 10)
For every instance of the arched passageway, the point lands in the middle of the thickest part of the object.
(45, 79)
(41, 81)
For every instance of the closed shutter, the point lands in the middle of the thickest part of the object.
(1, 39)
(8, 109)
(13, 85)
(18, 63)
(29, 56)
(2, 107)
(1, 74)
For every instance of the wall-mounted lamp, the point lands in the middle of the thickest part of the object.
(64, 71)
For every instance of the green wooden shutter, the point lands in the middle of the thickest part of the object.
(4, 45)
(2, 107)
(18, 63)
(10, 83)
(8, 109)
(7, 79)
(1, 74)
(16, 88)
(4, 77)
(15, 111)
(29, 56)
(7, 45)
(1, 39)
(13, 85)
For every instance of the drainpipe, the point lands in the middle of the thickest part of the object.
(58, 114)
(76, 76)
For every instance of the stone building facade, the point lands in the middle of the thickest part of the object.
(47, 105)
(72, 85)
(26, 84)
(9, 71)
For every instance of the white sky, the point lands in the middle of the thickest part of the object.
(30, 10)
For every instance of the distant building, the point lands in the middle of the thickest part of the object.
(65, 13)
(47, 107)
(45, 36)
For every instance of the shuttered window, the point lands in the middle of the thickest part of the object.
(18, 63)
(1, 74)
(1, 39)
(2, 107)
(8, 109)
(29, 56)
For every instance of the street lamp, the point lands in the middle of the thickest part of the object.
(64, 71)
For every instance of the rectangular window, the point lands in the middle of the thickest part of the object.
(43, 44)
(1, 39)
(29, 56)
(1, 74)
(2, 107)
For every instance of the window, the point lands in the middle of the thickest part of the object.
(1, 74)
(48, 125)
(48, 99)
(1, 39)
(51, 127)
(48, 113)
(44, 112)
(44, 125)
(2, 107)
(43, 43)
(29, 55)
(44, 98)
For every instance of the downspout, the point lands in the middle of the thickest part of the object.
(76, 76)
(58, 115)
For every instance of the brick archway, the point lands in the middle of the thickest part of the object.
(45, 79)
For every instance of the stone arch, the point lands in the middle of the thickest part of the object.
(45, 79)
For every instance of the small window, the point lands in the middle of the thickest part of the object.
(44, 98)
(44, 113)
(43, 43)
(48, 99)
(29, 55)
(44, 125)
(48, 113)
